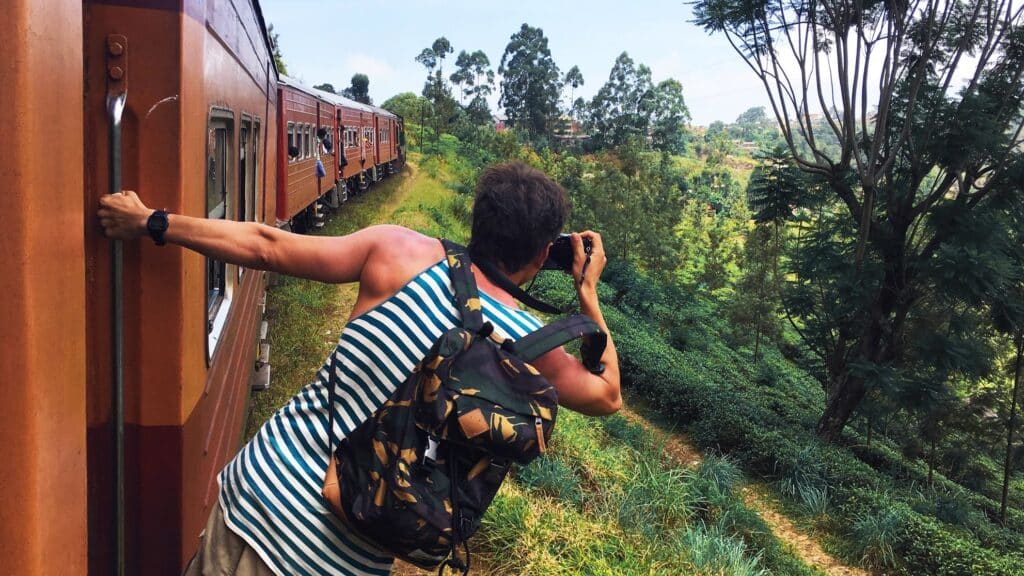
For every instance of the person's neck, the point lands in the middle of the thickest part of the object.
(484, 283)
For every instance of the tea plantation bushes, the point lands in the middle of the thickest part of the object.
(763, 416)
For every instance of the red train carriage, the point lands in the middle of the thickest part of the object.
(301, 115)
(352, 121)
(387, 141)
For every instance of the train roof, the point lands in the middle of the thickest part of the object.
(293, 83)
(336, 99)
(342, 101)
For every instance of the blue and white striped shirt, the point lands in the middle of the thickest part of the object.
(270, 492)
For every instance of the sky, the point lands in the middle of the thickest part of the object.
(330, 40)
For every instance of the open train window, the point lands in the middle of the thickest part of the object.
(220, 199)
(291, 139)
(308, 142)
(257, 207)
(245, 178)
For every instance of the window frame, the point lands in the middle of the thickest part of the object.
(291, 142)
(218, 305)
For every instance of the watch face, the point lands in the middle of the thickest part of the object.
(157, 221)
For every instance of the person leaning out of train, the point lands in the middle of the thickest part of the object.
(271, 514)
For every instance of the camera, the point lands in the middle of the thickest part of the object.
(560, 257)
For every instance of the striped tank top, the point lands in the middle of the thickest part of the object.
(270, 491)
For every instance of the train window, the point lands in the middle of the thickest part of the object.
(309, 141)
(257, 208)
(220, 185)
(245, 201)
(291, 139)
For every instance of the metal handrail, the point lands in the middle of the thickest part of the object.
(115, 110)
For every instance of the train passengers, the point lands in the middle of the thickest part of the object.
(272, 518)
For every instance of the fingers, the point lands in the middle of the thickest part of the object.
(118, 214)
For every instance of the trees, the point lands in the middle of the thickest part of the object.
(630, 105)
(922, 161)
(326, 87)
(436, 89)
(359, 90)
(473, 71)
(275, 46)
(407, 105)
(531, 82)
(621, 108)
(669, 116)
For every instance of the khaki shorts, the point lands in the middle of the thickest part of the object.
(224, 553)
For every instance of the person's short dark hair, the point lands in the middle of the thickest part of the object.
(517, 212)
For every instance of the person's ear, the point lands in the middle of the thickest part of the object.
(542, 257)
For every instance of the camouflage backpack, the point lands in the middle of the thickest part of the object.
(417, 476)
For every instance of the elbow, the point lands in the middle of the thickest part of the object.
(610, 403)
(263, 253)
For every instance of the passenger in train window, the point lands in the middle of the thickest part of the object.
(272, 517)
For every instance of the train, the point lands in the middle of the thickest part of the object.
(127, 366)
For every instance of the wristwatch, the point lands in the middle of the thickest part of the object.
(157, 225)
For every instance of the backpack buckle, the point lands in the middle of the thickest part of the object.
(430, 454)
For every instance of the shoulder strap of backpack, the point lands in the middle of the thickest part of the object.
(549, 337)
(467, 299)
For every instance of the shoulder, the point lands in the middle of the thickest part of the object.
(397, 255)
(395, 245)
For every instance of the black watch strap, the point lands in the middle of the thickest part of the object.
(156, 225)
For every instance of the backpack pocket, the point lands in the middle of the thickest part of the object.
(498, 430)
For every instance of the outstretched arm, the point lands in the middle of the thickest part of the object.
(327, 259)
(578, 389)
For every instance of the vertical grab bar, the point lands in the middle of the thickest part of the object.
(115, 110)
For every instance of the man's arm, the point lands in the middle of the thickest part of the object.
(578, 389)
(336, 259)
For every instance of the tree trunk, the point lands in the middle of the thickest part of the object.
(931, 462)
(875, 344)
(846, 396)
(1008, 467)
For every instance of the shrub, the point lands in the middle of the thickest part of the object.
(712, 552)
(553, 477)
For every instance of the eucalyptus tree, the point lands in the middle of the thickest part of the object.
(531, 82)
(573, 79)
(629, 105)
(924, 100)
(436, 89)
(474, 72)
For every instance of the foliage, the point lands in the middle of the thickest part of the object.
(770, 431)
(473, 71)
(914, 175)
(630, 107)
(531, 83)
(275, 47)
(359, 90)
(413, 108)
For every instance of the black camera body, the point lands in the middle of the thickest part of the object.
(560, 257)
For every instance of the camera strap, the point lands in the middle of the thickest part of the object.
(498, 277)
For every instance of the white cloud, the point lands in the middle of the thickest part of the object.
(377, 69)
